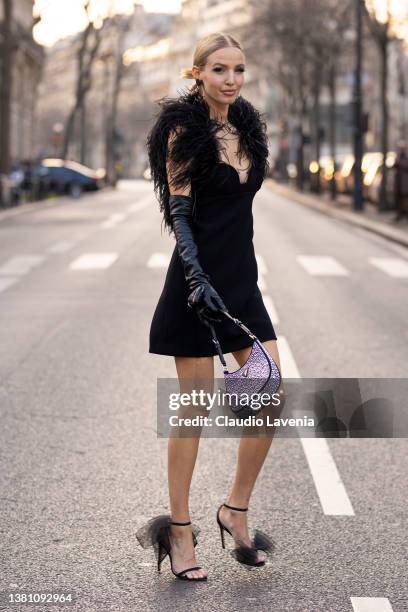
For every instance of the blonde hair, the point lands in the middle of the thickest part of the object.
(204, 48)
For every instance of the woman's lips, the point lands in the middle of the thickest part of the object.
(229, 93)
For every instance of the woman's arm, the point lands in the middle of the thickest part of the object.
(203, 297)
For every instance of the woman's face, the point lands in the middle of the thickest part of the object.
(223, 74)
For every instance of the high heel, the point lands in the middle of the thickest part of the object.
(247, 555)
(156, 533)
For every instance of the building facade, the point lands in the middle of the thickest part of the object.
(26, 65)
(157, 47)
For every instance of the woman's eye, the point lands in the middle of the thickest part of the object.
(219, 69)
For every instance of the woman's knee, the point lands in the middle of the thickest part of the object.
(196, 375)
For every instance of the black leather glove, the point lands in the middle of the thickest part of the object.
(203, 298)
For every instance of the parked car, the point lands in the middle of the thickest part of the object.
(370, 165)
(325, 169)
(372, 179)
(67, 177)
(344, 176)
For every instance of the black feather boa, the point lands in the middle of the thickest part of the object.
(194, 150)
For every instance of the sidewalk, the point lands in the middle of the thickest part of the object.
(369, 219)
(58, 200)
(18, 209)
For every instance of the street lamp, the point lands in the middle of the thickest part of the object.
(57, 137)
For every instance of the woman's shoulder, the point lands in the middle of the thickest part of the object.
(182, 110)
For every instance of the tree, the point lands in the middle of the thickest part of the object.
(87, 52)
(304, 38)
(384, 27)
(122, 26)
(282, 31)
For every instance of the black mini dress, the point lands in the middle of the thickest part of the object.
(223, 231)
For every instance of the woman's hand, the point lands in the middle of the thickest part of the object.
(207, 303)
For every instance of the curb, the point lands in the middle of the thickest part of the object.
(377, 227)
(19, 209)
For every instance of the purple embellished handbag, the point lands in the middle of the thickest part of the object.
(259, 374)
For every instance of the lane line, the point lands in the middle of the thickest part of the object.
(61, 247)
(288, 363)
(393, 266)
(5, 282)
(93, 261)
(113, 220)
(371, 604)
(158, 260)
(319, 265)
(262, 283)
(21, 264)
(270, 307)
(329, 486)
(262, 269)
(143, 203)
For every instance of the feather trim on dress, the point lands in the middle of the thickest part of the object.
(194, 150)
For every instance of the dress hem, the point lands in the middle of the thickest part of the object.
(186, 353)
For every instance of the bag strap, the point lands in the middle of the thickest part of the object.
(217, 344)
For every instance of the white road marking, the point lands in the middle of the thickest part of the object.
(113, 220)
(322, 265)
(330, 489)
(270, 307)
(21, 264)
(261, 282)
(93, 261)
(329, 486)
(371, 604)
(288, 363)
(262, 269)
(61, 247)
(143, 203)
(393, 266)
(7, 282)
(158, 260)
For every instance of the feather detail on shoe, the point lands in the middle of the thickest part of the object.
(246, 555)
(157, 530)
(263, 542)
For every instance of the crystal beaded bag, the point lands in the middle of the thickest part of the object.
(259, 374)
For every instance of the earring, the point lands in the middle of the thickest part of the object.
(198, 82)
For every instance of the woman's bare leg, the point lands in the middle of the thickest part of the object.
(251, 456)
(182, 454)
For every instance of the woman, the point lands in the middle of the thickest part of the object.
(208, 156)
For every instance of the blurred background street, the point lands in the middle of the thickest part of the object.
(82, 467)
(82, 265)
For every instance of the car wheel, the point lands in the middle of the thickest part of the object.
(75, 190)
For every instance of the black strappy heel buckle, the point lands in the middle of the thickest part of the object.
(247, 555)
(156, 533)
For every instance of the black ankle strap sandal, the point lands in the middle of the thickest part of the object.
(247, 555)
(237, 509)
(156, 533)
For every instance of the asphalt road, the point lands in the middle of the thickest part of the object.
(82, 467)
